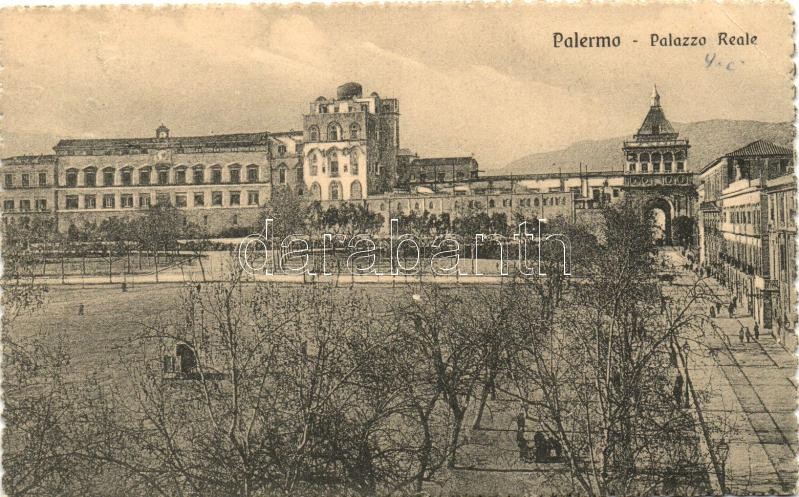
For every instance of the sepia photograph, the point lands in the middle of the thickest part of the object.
(428, 250)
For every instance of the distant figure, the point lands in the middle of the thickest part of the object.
(678, 383)
(521, 419)
(712, 311)
(748, 334)
(757, 331)
(540, 442)
(731, 309)
(741, 334)
(80, 309)
(718, 308)
(554, 449)
(124, 286)
(522, 443)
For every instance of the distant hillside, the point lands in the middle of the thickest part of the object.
(708, 139)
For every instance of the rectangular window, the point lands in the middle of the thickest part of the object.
(127, 177)
(199, 199)
(144, 177)
(235, 175)
(90, 178)
(144, 200)
(89, 202)
(235, 198)
(615, 192)
(180, 176)
(216, 176)
(180, 200)
(25, 205)
(198, 177)
(252, 198)
(8, 180)
(162, 199)
(42, 179)
(41, 204)
(163, 177)
(126, 201)
(252, 174)
(108, 201)
(71, 202)
(216, 198)
(108, 178)
(8, 205)
(26, 180)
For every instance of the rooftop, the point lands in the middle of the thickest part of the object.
(227, 140)
(760, 148)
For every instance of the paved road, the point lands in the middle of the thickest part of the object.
(753, 390)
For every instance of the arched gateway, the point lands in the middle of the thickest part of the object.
(657, 170)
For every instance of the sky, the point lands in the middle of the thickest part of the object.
(481, 80)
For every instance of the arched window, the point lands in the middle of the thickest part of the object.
(491, 203)
(316, 191)
(355, 190)
(72, 178)
(252, 173)
(667, 158)
(314, 164)
(355, 131)
(354, 157)
(535, 202)
(281, 174)
(332, 159)
(313, 134)
(656, 162)
(90, 176)
(430, 205)
(335, 190)
(144, 176)
(644, 162)
(108, 176)
(198, 174)
(333, 132)
(216, 175)
(127, 176)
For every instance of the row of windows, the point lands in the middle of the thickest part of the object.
(335, 191)
(656, 167)
(335, 132)
(8, 180)
(492, 203)
(743, 215)
(332, 167)
(25, 205)
(162, 176)
(126, 200)
(782, 208)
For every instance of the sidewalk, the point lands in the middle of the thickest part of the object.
(753, 390)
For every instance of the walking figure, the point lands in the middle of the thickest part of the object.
(712, 311)
(748, 335)
(80, 309)
(718, 308)
(741, 334)
(731, 309)
(757, 331)
(678, 382)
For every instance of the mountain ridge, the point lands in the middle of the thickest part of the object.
(709, 140)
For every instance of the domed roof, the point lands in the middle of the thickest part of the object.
(374, 94)
(321, 99)
(349, 90)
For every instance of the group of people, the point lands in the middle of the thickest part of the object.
(545, 449)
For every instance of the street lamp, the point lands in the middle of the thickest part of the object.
(722, 451)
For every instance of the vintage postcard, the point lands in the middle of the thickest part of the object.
(438, 250)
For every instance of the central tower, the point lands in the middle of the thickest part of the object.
(657, 167)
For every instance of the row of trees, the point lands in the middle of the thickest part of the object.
(311, 390)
